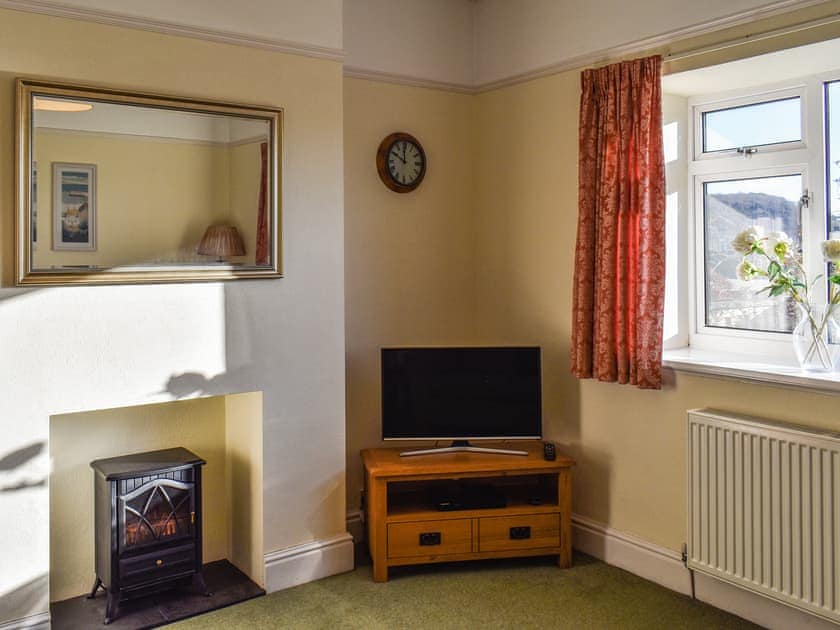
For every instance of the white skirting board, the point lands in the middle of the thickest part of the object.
(665, 567)
(33, 622)
(631, 553)
(308, 562)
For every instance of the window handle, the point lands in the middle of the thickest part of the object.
(806, 199)
(746, 151)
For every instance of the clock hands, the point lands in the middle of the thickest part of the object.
(397, 155)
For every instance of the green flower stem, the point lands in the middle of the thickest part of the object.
(785, 278)
(804, 275)
(818, 343)
(834, 300)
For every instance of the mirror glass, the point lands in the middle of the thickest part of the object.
(132, 184)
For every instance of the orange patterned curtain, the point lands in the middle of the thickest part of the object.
(262, 210)
(619, 282)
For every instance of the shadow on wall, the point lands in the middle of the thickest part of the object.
(592, 472)
(561, 395)
(189, 384)
(248, 365)
(30, 598)
(21, 469)
(24, 468)
(297, 377)
(7, 292)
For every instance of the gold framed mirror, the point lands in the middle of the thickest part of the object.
(120, 187)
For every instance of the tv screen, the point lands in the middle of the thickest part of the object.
(461, 393)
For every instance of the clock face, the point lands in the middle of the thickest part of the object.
(405, 162)
(401, 162)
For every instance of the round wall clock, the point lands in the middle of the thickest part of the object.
(401, 162)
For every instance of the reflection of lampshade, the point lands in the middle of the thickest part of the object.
(221, 241)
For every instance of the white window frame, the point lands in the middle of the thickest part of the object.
(705, 104)
(711, 336)
(833, 77)
(807, 157)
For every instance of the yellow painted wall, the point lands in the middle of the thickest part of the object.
(76, 439)
(629, 444)
(154, 199)
(409, 258)
(244, 193)
(244, 464)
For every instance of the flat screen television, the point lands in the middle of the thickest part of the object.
(461, 394)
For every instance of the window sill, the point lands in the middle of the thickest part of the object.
(749, 369)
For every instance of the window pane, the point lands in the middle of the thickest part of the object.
(755, 125)
(730, 207)
(832, 130)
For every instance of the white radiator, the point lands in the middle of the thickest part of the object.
(764, 508)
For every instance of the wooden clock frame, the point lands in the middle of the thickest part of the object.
(382, 162)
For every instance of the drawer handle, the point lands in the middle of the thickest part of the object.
(158, 562)
(429, 538)
(520, 533)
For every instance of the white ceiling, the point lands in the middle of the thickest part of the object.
(754, 71)
(521, 36)
(430, 39)
(150, 122)
(477, 43)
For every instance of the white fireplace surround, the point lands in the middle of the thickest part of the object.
(138, 345)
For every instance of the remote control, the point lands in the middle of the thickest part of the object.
(549, 452)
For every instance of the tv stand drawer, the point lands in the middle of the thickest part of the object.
(531, 531)
(429, 538)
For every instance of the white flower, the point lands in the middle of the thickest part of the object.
(831, 250)
(746, 271)
(743, 243)
(780, 244)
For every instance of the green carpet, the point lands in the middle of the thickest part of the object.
(522, 593)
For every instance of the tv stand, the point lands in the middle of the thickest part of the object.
(462, 446)
(405, 525)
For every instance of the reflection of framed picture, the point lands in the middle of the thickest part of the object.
(74, 206)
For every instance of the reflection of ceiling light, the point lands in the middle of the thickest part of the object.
(54, 105)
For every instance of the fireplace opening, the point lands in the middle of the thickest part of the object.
(181, 485)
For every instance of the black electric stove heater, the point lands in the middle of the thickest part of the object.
(147, 524)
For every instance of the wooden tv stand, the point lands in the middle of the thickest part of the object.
(405, 526)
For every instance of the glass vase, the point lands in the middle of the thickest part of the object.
(815, 338)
